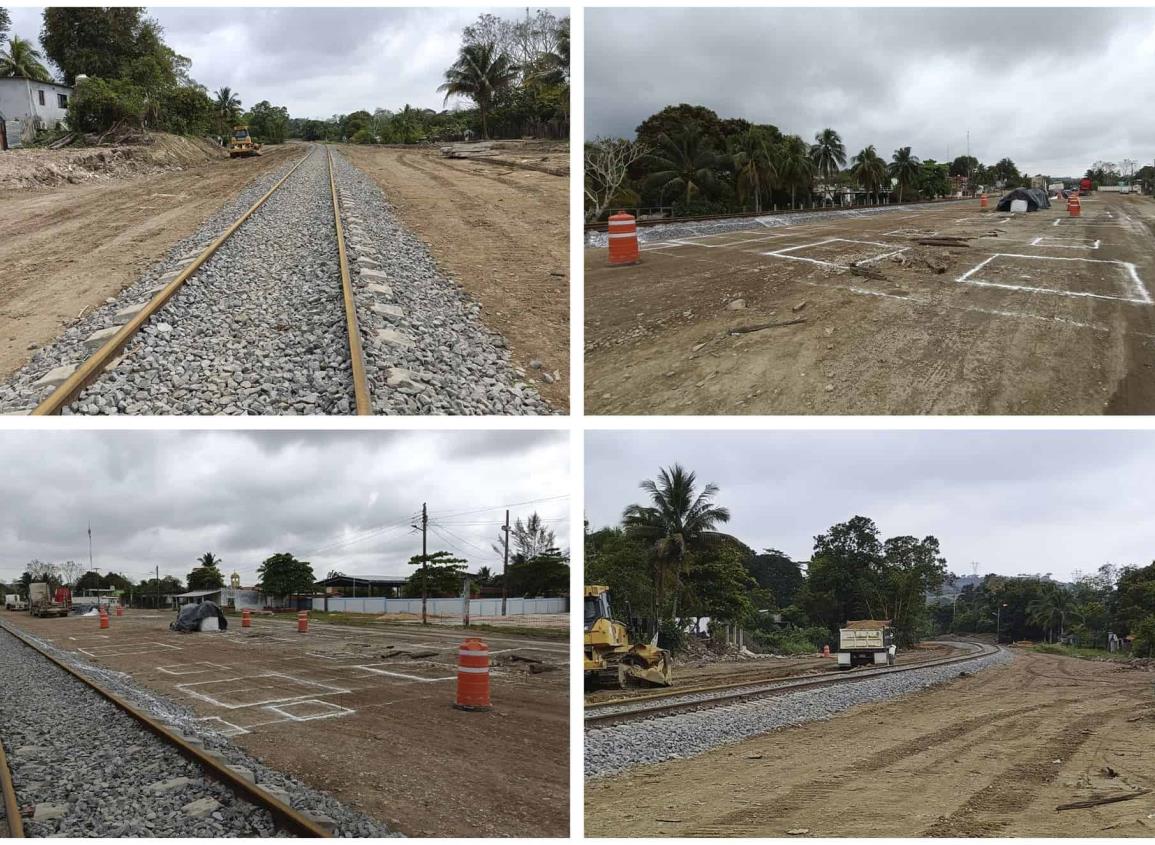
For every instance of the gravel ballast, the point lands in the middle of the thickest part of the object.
(87, 769)
(260, 327)
(612, 749)
(674, 231)
(426, 348)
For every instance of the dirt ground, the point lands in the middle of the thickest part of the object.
(503, 234)
(365, 715)
(1041, 313)
(990, 754)
(66, 249)
(691, 675)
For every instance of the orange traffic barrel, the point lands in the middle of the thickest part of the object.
(1073, 205)
(473, 675)
(623, 231)
(103, 619)
(247, 619)
(983, 201)
(302, 621)
(120, 610)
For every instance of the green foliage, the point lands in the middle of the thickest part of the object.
(1144, 633)
(268, 124)
(362, 136)
(284, 575)
(440, 575)
(544, 574)
(933, 179)
(480, 72)
(775, 572)
(22, 59)
(792, 640)
(906, 168)
(206, 578)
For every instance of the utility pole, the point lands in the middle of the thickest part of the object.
(158, 587)
(424, 562)
(505, 565)
(90, 544)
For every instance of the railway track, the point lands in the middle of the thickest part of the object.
(670, 703)
(285, 817)
(111, 349)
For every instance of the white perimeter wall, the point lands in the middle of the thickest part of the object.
(441, 607)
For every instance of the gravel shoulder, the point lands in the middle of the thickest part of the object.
(503, 234)
(989, 754)
(67, 249)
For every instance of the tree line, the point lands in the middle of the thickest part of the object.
(687, 158)
(669, 565)
(514, 72)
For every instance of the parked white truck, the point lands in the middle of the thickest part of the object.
(14, 602)
(866, 642)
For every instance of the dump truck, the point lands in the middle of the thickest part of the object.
(866, 642)
(241, 143)
(1086, 186)
(611, 659)
(42, 603)
(14, 602)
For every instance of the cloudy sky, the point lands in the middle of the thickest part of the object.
(341, 500)
(1015, 502)
(1053, 89)
(316, 62)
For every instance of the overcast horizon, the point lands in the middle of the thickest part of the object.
(1053, 89)
(316, 62)
(340, 500)
(1030, 502)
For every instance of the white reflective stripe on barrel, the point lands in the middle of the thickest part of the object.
(622, 235)
(474, 670)
(467, 653)
(629, 222)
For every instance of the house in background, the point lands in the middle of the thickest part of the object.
(28, 106)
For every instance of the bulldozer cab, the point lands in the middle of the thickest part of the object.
(241, 143)
(597, 606)
(610, 658)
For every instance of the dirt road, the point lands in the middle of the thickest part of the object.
(503, 233)
(67, 249)
(363, 714)
(1031, 314)
(991, 754)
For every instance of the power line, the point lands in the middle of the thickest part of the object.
(510, 505)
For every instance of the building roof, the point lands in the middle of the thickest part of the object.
(374, 580)
(194, 594)
(34, 81)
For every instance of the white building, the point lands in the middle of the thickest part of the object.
(27, 106)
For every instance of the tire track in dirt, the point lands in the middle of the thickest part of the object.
(1013, 789)
(753, 821)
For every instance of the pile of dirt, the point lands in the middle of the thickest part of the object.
(702, 652)
(147, 153)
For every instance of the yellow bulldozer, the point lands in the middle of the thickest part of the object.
(611, 660)
(241, 143)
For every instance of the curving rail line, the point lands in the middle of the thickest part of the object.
(700, 698)
(96, 363)
(12, 826)
(285, 816)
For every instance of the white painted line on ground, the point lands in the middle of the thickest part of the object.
(229, 730)
(416, 678)
(1142, 297)
(204, 666)
(333, 712)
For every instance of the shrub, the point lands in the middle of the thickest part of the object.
(362, 136)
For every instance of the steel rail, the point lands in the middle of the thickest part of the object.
(286, 816)
(96, 363)
(362, 400)
(12, 818)
(593, 718)
(603, 226)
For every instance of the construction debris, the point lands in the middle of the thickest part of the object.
(1108, 799)
(757, 327)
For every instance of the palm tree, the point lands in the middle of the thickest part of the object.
(869, 169)
(484, 576)
(753, 162)
(683, 160)
(828, 154)
(552, 67)
(1054, 606)
(23, 60)
(228, 107)
(795, 167)
(904, 168)
(479, 73)
(209, 559)
(677, 519)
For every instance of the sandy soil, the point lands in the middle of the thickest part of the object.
(925, 332)
(991, 754)
(384, 739)
(503, 234)
(67, 249)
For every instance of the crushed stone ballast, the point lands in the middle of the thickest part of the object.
(609, 750)
(92, 755)
(263, 311)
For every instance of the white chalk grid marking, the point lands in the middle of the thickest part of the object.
(1042, 277)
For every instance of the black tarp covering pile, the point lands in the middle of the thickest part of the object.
(191, 615)
(1035, 199)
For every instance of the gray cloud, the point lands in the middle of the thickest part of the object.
(343, 500)
(1053, 89)
(1013, 501)
(315, 61)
